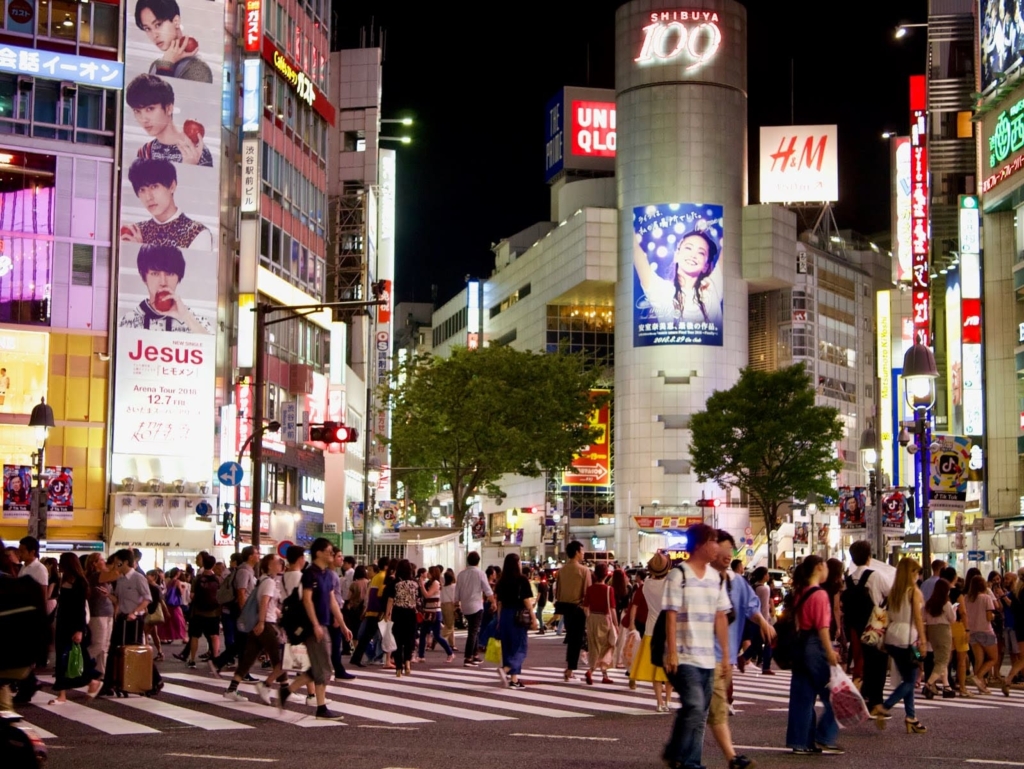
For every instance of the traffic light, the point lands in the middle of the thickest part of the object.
(333, 432)
(709, 502)
(227, 521)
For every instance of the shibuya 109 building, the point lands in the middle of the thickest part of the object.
(654, 266)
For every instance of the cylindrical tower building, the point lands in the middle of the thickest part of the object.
(681, 320)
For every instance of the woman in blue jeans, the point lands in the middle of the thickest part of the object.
(514, 594)
(430, 593)
(812, 659)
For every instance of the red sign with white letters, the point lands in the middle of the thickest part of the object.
(253, 25)
(920, 221)
(593, 129)
(970, 310)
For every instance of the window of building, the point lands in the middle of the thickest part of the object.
(93, 24)
(81, 265)
(587, 329)
(54, 110)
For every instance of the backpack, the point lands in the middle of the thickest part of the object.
(786, 633)
(173, 596)
(250, 614)
(204, 594)
(658, 634)
(226, 591)
(856, 602)
(294, 620)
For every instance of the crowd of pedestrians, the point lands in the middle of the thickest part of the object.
(683, 627)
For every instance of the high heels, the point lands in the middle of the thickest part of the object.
(567, 675)
(881, 715)
(915, 727)
(589, 678)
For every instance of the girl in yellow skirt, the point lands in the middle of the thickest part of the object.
(643, 670)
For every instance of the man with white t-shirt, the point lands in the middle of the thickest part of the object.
(28, 552)
(696, 607)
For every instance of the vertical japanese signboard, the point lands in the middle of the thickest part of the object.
(970, 315)
(250, 176)
(169, 235)
(902, 228)
(920, 223)
(591, 466)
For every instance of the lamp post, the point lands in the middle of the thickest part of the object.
(41, 419)
(869, 457)
(904, 29)
(556, 518)
(919, 375)
(257, 508)
(370, 511)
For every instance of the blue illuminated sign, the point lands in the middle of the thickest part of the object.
(61, 66)
(251, 96)
(554, 136)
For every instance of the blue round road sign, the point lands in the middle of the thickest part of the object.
(230, 473)
(203, 508)
(750, 553)
(282, 547)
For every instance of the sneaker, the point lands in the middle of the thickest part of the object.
(233, 695)
(191, 664)
(249, 679)
(470, 664)
(323, 714)
(282, 696)
(741, 762)
(181, 656)
(830, 750)
(503, 676)
(311, 700)
(345, 676)
(450, 658)
(806, 751)
(205, 656)
(516, 685)
(263, 692)
(767, 672)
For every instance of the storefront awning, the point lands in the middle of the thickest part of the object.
(162, 537)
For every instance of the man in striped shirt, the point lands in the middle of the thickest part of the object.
(697, 608)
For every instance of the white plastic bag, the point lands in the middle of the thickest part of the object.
(387, 637)
(296, 658)
(847, 703)
(626, 648)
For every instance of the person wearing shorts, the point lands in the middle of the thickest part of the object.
(204, 612)
(321, 606)
(262, 637)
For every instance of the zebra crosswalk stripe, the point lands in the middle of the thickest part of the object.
(182, 715)
(97, 719)
(251, 708)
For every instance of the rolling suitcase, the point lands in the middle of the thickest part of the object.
(134, 664)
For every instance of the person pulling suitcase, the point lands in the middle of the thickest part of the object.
(129, 660)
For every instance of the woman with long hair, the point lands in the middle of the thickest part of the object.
(72, 629)
(430, 593)
(156, 612)
(981, 607)
(355, 599)
(515, 600)
(1016, 589)
(903, 635)
(602, 624)
(813, 658)
(939, 614)
(174, 622)
(401, 596)
(643, 669)
(995, 588)
(101, 607)
(448, 608)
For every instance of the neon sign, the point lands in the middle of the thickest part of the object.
(692, 35)
(920, 219)
(304, 88)
(253, 25)
(593, 128)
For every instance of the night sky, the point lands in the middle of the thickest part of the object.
(477, 84)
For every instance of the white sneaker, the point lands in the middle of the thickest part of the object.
(262, 692)
(311, 700)
(234, 696)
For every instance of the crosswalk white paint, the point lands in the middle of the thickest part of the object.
(427, 696)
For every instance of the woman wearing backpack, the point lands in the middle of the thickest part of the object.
(813, 658)
(263, 635)
(906, 642)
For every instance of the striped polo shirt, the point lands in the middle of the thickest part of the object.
(695, 605)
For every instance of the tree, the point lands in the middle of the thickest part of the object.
(480, 414)
(766, 437)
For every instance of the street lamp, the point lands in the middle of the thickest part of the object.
(513, 517)
(41, 419)
(904, 29)
(919, 375)
(869, 456)
(556, 518)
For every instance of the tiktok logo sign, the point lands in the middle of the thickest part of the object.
(689, 37)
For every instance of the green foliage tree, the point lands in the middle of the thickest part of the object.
(471, 418)
(766, 437)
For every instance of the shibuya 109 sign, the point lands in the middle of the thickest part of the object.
(690, 38)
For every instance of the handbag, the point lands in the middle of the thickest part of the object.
(387, 637)
(874, 633)
(174, 597)
(493, 653)
(524, 618)
(155, 617)
(296, 658)
(76, 663)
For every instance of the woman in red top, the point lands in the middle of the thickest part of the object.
(812, 659)
(602, 621)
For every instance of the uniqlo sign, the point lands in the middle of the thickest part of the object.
(920, 224)
(253, 25)
(593, 129)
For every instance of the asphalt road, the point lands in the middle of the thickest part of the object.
(448, 717)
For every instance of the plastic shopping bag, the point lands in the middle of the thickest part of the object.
(493, 651)
(847, 703)
(629, 647)
(296, 658)
(387, 637)
(76, 663)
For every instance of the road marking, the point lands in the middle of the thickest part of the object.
(992, 762)
(95, 719)
(195, 718)
(253, 709)
(389, 728)
(224, 758)
(564, 737)
(351, 693)
(43, 734)
(770, 748)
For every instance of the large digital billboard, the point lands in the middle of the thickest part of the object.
(169, 234)
(677, 274)
(1002, 35)
(799, 164)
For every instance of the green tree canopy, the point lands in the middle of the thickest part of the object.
(766, 437)
(480, 414)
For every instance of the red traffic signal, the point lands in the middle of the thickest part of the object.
(709, 503)
(333, 432)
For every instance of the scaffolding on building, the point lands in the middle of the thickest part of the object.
(347, 247)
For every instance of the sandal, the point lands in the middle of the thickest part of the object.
(606, 680)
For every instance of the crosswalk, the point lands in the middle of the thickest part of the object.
(376, 698)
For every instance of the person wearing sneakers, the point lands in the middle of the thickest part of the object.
(574, 579)
(204, 616)
(263, 636)
(471, 587)
(291, 580)
(321, 606)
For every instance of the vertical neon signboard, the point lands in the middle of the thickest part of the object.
(920, 223)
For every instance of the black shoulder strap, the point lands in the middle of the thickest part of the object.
(864, 577)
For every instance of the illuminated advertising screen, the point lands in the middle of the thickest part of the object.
(24, 359)
(18, 481)
(593, 129)
(851, 508)
(903, 255)
(61, 66)
(799, 164)
(1002, 35)
(677, 274)
(591, 466)
(169, 232)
